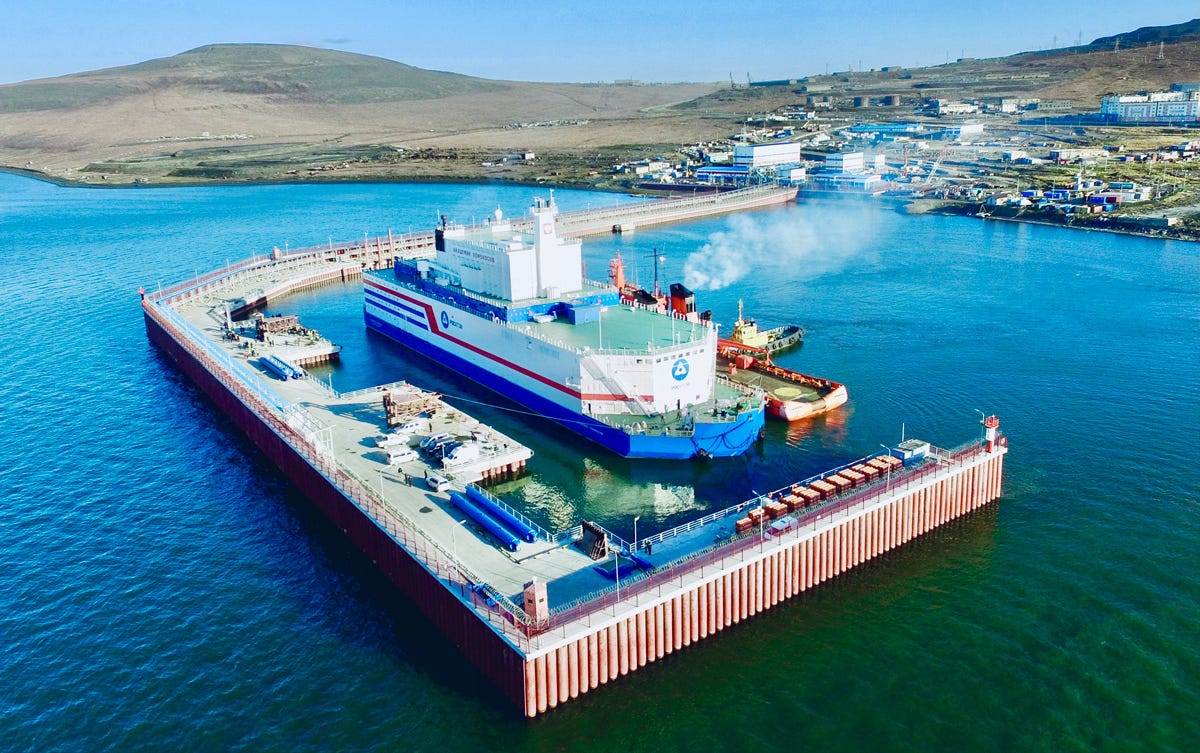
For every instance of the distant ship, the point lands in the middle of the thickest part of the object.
(746, 332)
(512, 311)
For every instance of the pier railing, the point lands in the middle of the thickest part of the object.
(542, 533)
(641, 584)
(284, 420)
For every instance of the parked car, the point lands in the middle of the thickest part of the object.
(431, 441)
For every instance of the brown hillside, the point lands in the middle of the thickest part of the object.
(270, 112)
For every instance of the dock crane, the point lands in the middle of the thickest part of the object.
(936, 164)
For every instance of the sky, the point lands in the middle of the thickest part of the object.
(570, 40)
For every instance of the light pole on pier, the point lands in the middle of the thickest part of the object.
(761, 516)
(635, 538)
(617, 565)
(982, 418)
(888, 485)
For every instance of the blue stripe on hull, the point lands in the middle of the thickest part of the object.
(414, 317)
(714, 439)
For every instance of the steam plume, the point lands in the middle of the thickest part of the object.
(801, 244)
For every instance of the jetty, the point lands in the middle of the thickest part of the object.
(546, 615)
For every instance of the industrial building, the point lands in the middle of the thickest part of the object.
(765, 155)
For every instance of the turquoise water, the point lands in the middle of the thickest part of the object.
(163, 588)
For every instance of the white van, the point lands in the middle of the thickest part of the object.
(401, 454)
(437, 483)
(464, 453)
(392, 440)
(412, 426)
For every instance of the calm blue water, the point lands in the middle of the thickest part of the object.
(162, 587)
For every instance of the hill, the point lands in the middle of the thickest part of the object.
(254, 112)
(1149, 35)
(271, 112)
(287, 73)
(1072, 78)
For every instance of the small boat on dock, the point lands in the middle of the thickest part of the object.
(791, 395)
(747, 333)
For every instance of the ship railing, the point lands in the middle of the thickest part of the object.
(568, 536)
(199, 281)
(324, 384)
(243, 273)
(753, 502)
(653, 206)
(649, 425)
(738, 547)
(395, 245)
(698, 522)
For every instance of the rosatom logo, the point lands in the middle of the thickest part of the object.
(445, 320)
(679, 370)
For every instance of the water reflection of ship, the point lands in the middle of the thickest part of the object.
(654, 496)
(831, 427)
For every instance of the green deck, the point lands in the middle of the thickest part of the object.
(622, 328)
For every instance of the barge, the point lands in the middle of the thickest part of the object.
(791, 395)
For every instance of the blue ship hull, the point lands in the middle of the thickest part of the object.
(709, 439)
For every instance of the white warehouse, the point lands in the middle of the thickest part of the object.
(763, 155)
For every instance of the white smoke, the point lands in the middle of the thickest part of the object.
(802, 244)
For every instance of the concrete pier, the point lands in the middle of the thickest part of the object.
(616, 634)
(543, 620)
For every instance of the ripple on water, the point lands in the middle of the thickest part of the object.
(161, 587)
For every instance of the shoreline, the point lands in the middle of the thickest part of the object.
(201, 183)
(1166, 234)
(945, 209)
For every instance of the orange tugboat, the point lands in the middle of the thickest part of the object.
(746, 355)
(790, 394)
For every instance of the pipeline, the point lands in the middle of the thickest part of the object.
(520, 527)
(487, 521)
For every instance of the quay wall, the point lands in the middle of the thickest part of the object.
(447, 607)
(290, 286)
(538, 667)
(761, 577)
(379, 252)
